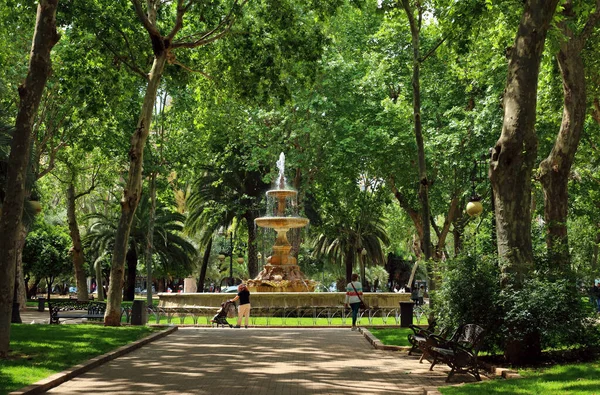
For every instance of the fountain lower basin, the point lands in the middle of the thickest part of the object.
(386, 300)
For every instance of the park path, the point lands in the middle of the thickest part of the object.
(259, 361)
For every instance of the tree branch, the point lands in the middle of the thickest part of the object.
(144, 18)
(92, 187)
(432, 50)
(588, 29)
(131, 67)
(181, 10)
(172, 60)
(222, 28)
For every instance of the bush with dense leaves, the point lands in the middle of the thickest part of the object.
(552, 308)
(550, 311)
(469, 295)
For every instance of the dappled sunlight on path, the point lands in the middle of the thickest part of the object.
(259, 361)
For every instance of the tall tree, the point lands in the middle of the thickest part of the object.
(514, 154)
(30, 93)
(554, 170)
(163, 47)
(414, 12)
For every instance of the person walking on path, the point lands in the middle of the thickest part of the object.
(244, 308)
(354, 293)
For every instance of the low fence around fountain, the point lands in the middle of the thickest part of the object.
(281, 308)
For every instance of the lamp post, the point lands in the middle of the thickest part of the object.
(474, 207)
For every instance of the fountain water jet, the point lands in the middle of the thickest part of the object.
(281, 273)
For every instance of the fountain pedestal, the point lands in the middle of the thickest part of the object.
(281, 273)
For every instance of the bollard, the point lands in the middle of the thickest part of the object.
(139, 314)
(406, 314)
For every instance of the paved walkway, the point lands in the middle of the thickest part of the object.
(259, 361)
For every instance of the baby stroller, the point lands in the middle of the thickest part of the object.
(227, 309)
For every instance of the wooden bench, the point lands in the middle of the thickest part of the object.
(73, 309)
(459, 352)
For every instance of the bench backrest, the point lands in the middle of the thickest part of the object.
(68, 305)
(469, 336)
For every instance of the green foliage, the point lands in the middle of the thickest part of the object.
(173, 251)
(46, 252)
(554, 309)
(377, 276)
(469, 294)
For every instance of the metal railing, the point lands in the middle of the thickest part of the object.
(318, 316)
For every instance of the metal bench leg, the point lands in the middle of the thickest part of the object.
(435, 361)
(450, 374)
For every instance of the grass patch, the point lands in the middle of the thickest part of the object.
(577, 379)
(38, 351)
(392, 336)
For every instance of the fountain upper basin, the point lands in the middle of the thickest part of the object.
(282, 192)
(281, 222)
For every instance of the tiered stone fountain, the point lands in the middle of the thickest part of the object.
(280, 284)
(281, 273)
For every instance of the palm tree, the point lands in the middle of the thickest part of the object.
(174, 253)
(221, 195)
(353, 234)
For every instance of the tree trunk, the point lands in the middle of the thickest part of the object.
(555, 169)
(132, 193)
(77, 250)
(32, 291)
(205, 259)
(349, 261)
(150, 238)
(132, 259)
(30, 94)
(20, 275)
(99, 277)
(252, 250)
(416, 89)
(514, 154)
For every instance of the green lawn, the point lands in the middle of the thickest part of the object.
(392, 336)
(38, 351)
(575, 379)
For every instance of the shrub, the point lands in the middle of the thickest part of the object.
(547, 312)
(552, 308)
(469, 294)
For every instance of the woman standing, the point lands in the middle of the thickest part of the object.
(354, 293)
(244, 308)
